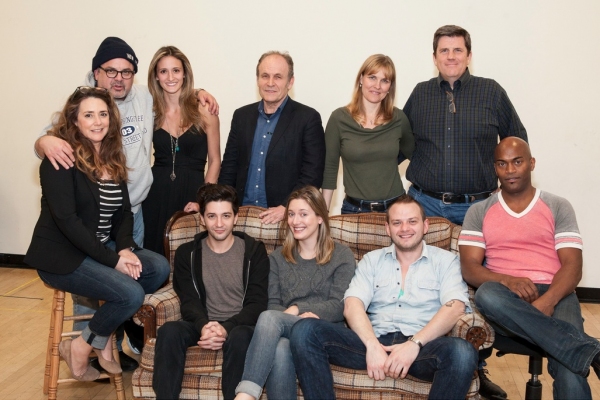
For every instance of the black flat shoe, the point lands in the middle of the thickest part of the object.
(489, 390)
(127, 363)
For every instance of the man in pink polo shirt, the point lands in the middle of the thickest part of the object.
(522, 248)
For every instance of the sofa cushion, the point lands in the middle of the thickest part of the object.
(366, 232)
(203, 368)
(353, 384)
(249, 222)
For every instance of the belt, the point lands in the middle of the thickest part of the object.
(377, 206)
(451, 198)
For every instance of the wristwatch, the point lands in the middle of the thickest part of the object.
(417, 341)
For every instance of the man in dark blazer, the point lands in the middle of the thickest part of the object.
(275, 146)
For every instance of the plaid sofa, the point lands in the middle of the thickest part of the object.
(362, 233)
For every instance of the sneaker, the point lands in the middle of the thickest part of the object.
(132, 347)
(488, 389)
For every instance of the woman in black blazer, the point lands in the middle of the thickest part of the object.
(82, 242)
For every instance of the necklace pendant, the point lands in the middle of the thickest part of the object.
(173, 176)
(176, 148)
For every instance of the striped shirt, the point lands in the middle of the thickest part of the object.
(454, 152)
(524, 244)
(111, 199)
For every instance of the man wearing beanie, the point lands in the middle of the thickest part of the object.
(113, 68)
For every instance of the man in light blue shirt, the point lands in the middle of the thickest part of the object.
(402, 301)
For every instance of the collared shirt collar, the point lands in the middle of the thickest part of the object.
(261, 108)
(391, 250)
(464, 78)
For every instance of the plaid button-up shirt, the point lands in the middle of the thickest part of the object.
(454, 152)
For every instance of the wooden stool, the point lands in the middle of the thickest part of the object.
(57, 318)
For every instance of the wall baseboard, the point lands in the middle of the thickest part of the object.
(588, 295)
(13, 261)
(584, 294)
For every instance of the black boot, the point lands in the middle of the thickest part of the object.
(488, 389)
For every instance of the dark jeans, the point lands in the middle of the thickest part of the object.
(448, 362)
(172, 342)
(570, 350)
(123, 295)
(86, 305)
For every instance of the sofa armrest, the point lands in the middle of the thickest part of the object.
(159, 307)
(473, 328)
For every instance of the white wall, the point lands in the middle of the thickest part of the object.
(544, 53)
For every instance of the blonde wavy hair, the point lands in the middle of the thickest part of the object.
(325, 244)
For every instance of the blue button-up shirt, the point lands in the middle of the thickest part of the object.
(432, 280)
(255, 193)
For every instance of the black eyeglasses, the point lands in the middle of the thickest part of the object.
(451, 106)
(112, 73)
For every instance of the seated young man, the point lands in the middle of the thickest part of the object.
(401, 302)
(221, 278)
(521, 247)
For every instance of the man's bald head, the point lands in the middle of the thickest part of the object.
(515, 144)
(514, 164)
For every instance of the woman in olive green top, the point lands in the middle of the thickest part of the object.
(370, 135)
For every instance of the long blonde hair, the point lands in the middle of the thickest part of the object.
(325, 244)
(372, 65)
(92, 163)
(190, 116)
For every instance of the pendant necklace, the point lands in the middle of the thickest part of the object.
(174, 147)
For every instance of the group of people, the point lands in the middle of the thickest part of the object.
(398, 303)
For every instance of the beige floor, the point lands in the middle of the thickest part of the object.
(24, 312)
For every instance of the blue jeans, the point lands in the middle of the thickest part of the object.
(454, 212)
(85, 305)
(570, 350)
(123, 295)
(269, 358)
(138, 227)
(447, 362)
